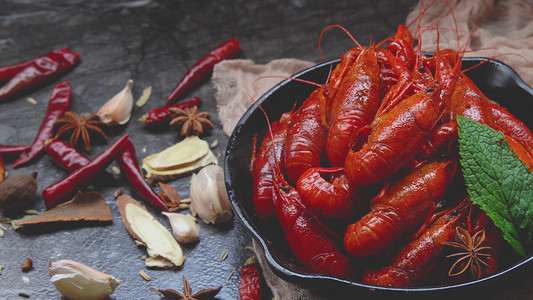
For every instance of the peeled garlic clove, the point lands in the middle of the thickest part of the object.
(184, 227)
(75, 280)
(209, 198)
(118, 109)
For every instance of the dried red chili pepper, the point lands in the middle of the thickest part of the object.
(57, 105)
(13, 149)
(36, 71)
(82, 177)
(71, 159)
(7, 72)
(202, 68)
(26, 265)
(161, 115)
(128, 163)
(250, 287)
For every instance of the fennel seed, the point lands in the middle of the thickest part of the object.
(223, 256)
(214, 144)
(229, 276)
(24, 294)
(116, 170)
(145, 276)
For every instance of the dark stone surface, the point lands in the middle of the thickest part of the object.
(153, 43)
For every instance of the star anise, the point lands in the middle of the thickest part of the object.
(190, 121)
(472, 255)
(79, 126)
(204, 294)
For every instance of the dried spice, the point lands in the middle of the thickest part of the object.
(24, 294)
(81, 178)
(71, 160)
(203, 67)
(224, 255)
(472, 256)
(148, 232)
(2, 170)
(170, 196)
(31, 101)
(16, 192)
(160, 116)
(26, 75)
(79, 126)
(144, 97)
(129, 165)
(26, 265)
(144, 275)
(57, 106)
(89, 206)
(251, 284)
(190, 121)
(178, 160)
(187, 292)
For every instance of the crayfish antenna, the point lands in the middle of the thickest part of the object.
(335, 26)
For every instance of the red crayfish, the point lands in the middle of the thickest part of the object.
(385, 119)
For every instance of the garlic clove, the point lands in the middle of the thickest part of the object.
(118, 109)
(184, 227)
(209, 199)
(75, 280)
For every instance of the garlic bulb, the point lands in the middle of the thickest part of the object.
(75, 280)
(184, 227)
(209, 198)
(118, 109)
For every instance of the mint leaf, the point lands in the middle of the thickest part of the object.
(498, 181)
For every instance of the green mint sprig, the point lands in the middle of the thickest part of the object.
(498, 181)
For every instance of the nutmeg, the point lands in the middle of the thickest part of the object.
(17, 192)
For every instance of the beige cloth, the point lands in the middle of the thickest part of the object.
(280, 288)
(505, 30)
(238, 81)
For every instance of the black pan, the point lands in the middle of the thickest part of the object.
(497, 80)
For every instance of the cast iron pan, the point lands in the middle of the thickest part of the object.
(497, 80)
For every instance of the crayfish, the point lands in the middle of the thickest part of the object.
(373, 151)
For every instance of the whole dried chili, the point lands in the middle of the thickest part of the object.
(161, 116)
(128, 163)
(13, 149)
(81, 178)
(57, 106)
(71, 159)
(33, 72)
(7, 72)
(250, 287)
(202, 68)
